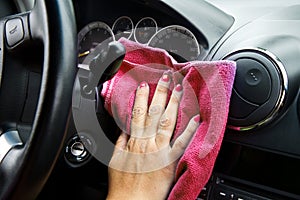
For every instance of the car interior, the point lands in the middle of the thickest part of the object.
(43, 45)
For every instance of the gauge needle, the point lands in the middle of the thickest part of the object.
(83, 54)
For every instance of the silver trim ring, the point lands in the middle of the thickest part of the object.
(283, 90)
(136, 28)
(131, 23)
(174, 27)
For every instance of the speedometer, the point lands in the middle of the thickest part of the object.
(92, 35)
(178, 41)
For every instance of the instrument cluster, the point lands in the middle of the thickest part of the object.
(178, 40)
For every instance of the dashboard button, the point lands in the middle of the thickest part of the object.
(14, 31)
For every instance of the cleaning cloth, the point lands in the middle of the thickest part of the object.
(207, 87)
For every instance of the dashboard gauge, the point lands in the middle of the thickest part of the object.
(92, 35)
(178, 41)
(145, 29)
(123, 27)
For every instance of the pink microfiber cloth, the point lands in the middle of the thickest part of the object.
(207, 89)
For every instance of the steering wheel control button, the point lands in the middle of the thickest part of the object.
(259, 89)
(76, 153)
(14, 31)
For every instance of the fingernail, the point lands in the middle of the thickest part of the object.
(143, 84)
(165, 78)
(197, 118)
(178, 88)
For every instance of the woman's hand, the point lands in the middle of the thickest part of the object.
(143, 163)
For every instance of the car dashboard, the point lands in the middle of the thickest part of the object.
(260, 153)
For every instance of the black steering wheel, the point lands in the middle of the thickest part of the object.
(37, 73)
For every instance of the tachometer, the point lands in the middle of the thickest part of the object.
(178, 41)
(92, 35)
(145, 29)
(123, 27)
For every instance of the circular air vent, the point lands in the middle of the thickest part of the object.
(259, 89)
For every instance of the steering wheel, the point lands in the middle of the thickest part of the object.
(35, 101)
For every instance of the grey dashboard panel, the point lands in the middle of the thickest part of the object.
(272, 27)
(276, 32)
(208, 19)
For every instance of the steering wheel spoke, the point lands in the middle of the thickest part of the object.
(16, 78)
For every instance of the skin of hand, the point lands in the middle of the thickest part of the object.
(143, 163)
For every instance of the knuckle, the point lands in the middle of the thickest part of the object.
(130, 144)
(180, 144)
(134, 145)
(161, 139)
(155, 110)
(165, 123)
(190, 130)
(137, 112)
(175, 99)
(161, 89)
(137, 145)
